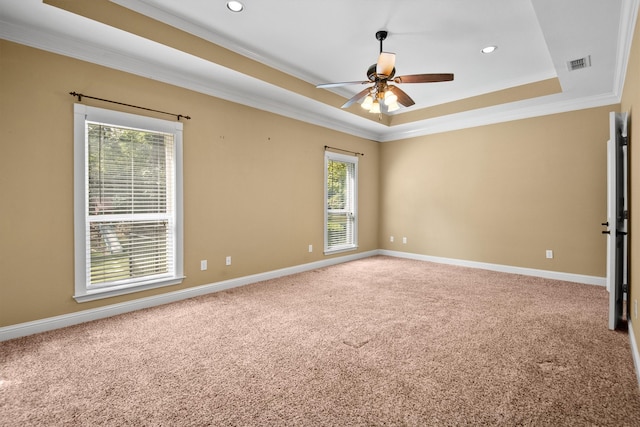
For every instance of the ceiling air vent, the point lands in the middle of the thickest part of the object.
(579, 63)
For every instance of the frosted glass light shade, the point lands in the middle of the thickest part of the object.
(368, 101)
(390, 98)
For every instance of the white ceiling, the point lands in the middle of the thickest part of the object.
(334, 40)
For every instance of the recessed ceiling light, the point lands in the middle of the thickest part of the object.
(489, 49)
(235, 6)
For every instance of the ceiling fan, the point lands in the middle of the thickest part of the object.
(383, 96)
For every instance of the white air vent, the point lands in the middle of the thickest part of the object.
(579, 63)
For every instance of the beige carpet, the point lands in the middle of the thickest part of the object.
(379, 341)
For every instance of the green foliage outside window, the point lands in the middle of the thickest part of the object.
(339, 203)
(127, 171)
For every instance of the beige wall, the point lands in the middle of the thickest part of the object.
(502, 193)
(631, 103)
(253, 186)
(253, 182)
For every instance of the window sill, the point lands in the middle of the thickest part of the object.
(100, 293)
(340, 249)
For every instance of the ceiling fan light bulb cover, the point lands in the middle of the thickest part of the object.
(368, 101)
(375, 108)
(390, 98)
(393, 107)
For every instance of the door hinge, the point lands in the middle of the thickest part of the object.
(625, 287)
(625, 214)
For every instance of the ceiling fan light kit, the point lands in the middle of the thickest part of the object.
(387, 98)
(383, 97)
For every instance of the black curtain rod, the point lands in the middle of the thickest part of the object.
(80, 96)
(346, 151)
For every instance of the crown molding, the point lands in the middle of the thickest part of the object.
(498, 114)
(628, 18)
(264, 96)
(236, 87)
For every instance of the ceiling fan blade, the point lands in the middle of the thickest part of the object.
(328, 85)
(424, 78)
(386, 63)
(356, 98)
(403, 98)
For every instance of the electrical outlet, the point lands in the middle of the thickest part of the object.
(228, 261)
(391, 239)
(549, 254)
(203, 264)
(404, 240)
(310, 248)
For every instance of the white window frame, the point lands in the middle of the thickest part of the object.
(329, 155)
(82, 113)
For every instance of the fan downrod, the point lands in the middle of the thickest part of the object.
(381, 35)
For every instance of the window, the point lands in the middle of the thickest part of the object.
(341, 187)
(128, 203)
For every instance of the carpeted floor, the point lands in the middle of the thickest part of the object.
(379, 341)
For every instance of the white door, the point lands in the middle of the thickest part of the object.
(616, 217)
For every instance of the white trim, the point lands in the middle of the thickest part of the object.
(82, 114)
(267, 97)
(503, 113)
(546, 274)
(634, 352)
(628, 17)
(344, 158)
(113, 291)
(340, 249)
(51, 323)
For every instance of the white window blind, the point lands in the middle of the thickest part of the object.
(130, 196)
(131, 227)
(341, 202)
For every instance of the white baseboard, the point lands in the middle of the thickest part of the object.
(568, 277)
(51, 323)
(634, 352)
